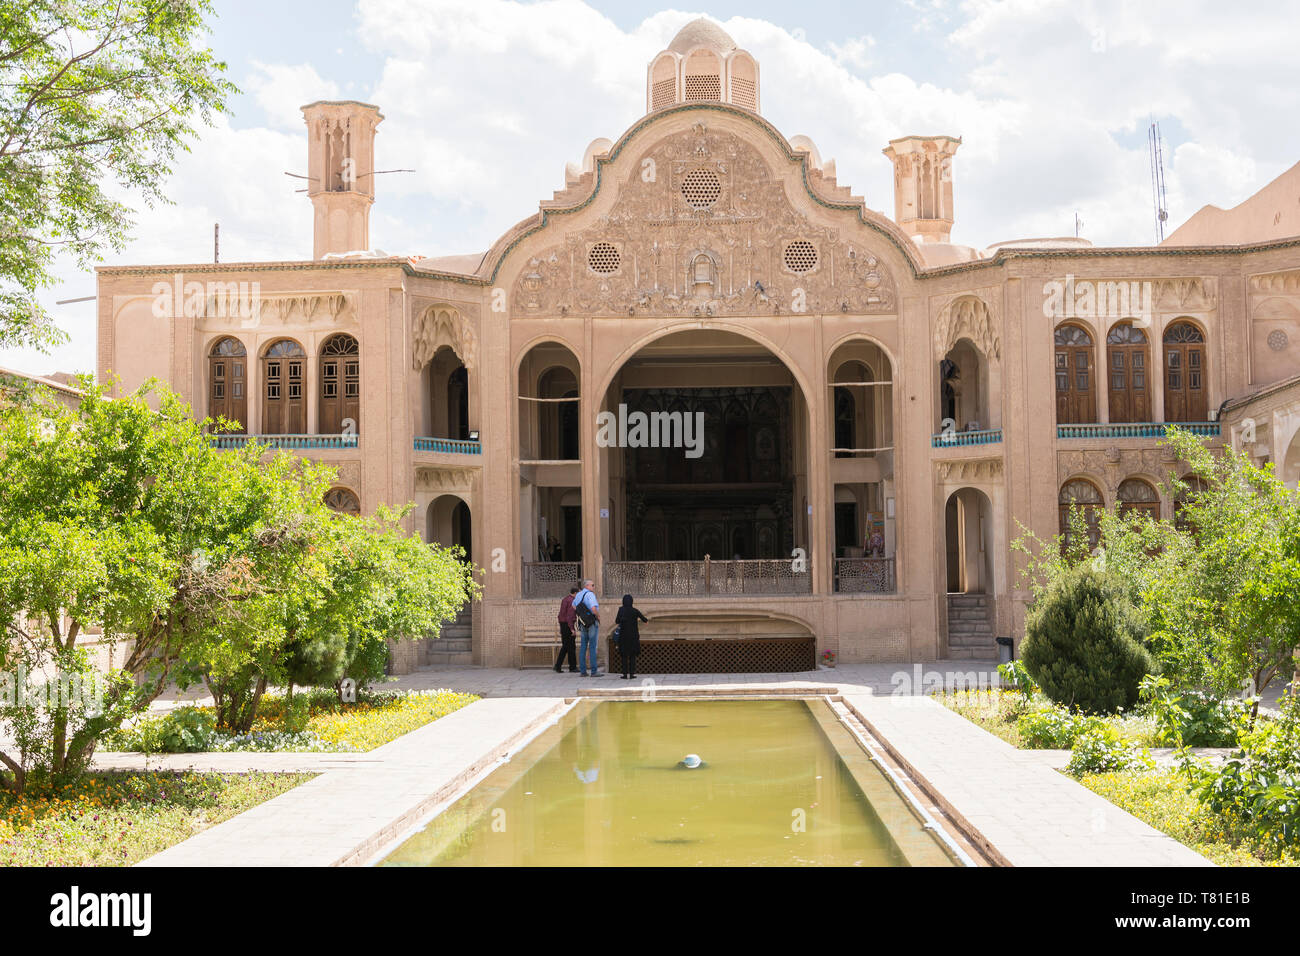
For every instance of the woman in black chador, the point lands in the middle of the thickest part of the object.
(629, 635)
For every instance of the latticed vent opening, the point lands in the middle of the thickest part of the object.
(801, 256)
(663, 93)
(744, 93)
(704, 87)
(603, 258)
(701, 188)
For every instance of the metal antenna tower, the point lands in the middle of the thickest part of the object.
(1156, 148)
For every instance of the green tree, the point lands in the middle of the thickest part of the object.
(96, 99)
(119, 515)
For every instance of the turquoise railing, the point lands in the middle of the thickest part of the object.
(1136, 430)
(989, 436)
(296, 442)
(449, 446)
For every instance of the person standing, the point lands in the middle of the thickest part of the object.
(587, 610)
(566, 617)
(629, 635)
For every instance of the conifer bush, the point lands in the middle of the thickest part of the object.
(1084, 642)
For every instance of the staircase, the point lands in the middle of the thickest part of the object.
(453, 643)
(970, 636)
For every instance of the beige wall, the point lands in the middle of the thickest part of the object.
(869, 292)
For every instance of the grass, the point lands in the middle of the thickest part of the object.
(116, 819)
(1162, 800)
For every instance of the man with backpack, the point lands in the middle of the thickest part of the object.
(587, 609)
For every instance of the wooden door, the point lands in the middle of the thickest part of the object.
(1076, 390)
(1126, 360)
(1185, 392)
(340, 385)
(284, 398)
(228, 385)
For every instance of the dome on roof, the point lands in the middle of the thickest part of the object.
(702, 32)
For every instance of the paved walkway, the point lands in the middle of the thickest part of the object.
(348, 813)
(1031, 814)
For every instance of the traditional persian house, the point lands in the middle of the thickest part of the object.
(707, 374)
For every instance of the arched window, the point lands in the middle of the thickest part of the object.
(663, 82)
(1076, 393)
(1081, 493)
(343, 501)
(1138, 496)
(1126, 360)
(284, 393)
(703, 76)
(1185, 393)
(228, 384)
(743, 81)
(340, 385)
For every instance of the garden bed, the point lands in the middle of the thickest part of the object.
(1161, 797)
(117, 819)
(310, 721)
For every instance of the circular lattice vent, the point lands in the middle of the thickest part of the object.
(701, 188)
(801, 256)
(603, 258)
(1277, 340)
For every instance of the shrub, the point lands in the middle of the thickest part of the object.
(1101, 749)
(1014, 675)
(1257, 790)
(1053, 729)
(1083, 642)
(184, 730)
(1193, 718)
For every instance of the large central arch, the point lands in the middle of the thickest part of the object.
(703, 455)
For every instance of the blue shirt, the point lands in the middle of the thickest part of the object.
(582, 596)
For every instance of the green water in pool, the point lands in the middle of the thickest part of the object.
(781, 782)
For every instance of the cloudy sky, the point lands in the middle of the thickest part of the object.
(488, 99)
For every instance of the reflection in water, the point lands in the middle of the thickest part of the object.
(772, 791)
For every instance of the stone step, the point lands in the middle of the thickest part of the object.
(969, 627)
(972, 653)
(967, 615)
(450, 644)
(956, 601)
(449, 658)
(968, 640)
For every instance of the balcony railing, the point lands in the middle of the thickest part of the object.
(717, 578)
(987, 436)
(1136, 430)
(551, 578)
(295, 442)
(449, 446)
(865, 576)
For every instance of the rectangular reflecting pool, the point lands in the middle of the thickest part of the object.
(780, 782)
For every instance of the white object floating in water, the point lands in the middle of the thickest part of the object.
(691, 761)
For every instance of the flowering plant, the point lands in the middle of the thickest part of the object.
(828, 658)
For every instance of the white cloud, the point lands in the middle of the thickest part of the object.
(280, 90)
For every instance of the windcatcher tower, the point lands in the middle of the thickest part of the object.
(341, 171)
(923, 185)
